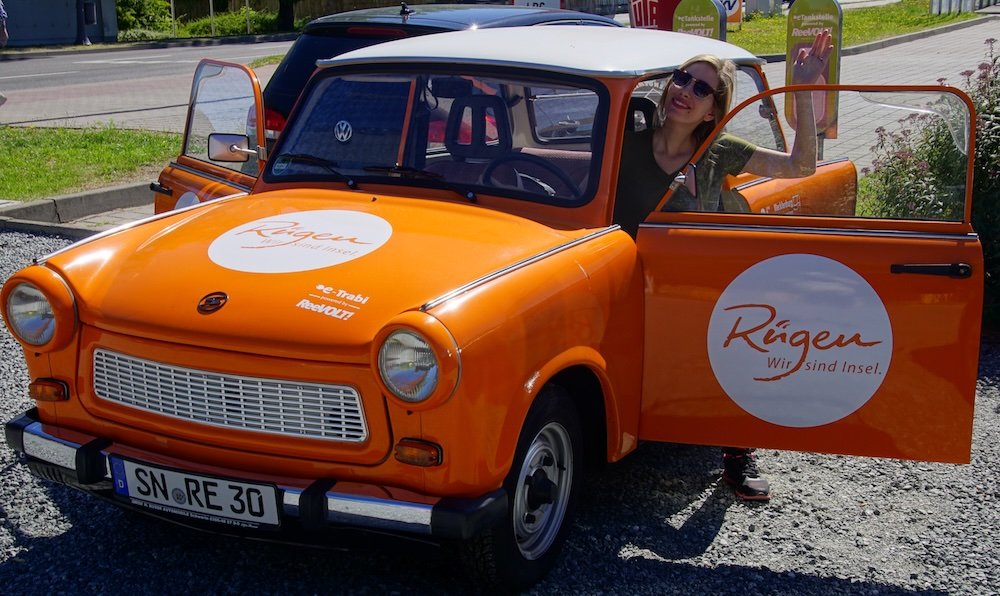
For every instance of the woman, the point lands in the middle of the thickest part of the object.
(696, 98)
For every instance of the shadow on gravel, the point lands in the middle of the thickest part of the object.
(640, 523)
(645, 518)
(105, 550)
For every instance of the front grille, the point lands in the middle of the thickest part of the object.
(276, 406)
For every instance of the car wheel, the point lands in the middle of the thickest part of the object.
(542, 487)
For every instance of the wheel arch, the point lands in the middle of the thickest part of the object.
(585, 390)
(581, 371)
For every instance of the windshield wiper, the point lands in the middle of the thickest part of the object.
(314, 160)
(416, 173)
(405, 172)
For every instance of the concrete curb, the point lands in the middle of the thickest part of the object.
(13, 54)
(53, 216)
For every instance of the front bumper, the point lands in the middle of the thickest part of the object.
(84, 463)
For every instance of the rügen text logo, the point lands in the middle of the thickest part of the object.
(300, 241)
(800, 340)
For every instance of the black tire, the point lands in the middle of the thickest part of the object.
(543, 488)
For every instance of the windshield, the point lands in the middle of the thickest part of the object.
(525, 138)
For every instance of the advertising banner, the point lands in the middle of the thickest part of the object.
(734, 11)
(652, 14)
(642, 14)
(807, 18)
(706, 18)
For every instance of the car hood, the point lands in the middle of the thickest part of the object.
(306, 274)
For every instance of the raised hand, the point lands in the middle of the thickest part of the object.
(811, 63)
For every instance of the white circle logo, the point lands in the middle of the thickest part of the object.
(299, 241)
(800, 340)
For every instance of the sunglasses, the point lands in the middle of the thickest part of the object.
(683, 78)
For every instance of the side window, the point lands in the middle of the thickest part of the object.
(222, 102)
(561, 114)
(759, 122)
(759, 126)
(884, 154)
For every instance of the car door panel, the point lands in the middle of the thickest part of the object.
(185, 181)
(853, 332)
(738, 302)
(225, 98)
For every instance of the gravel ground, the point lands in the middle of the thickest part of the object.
(657, 523)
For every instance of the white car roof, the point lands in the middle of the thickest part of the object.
(588, 51)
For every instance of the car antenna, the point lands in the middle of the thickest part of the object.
(404, 10)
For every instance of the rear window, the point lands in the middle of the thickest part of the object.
(298, 65)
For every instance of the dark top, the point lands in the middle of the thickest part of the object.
(642, 183)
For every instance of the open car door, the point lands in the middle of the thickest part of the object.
(849, 325)
(225, 98)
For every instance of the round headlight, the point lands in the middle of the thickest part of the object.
(30, 315)
(408, 366)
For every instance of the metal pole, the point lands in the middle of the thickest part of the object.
(211, 15)
(248, 16)
(173, 18)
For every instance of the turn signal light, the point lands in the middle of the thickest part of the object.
(48, 390)
(418, 453)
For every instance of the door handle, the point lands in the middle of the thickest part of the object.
(157, 187)
(961, 270)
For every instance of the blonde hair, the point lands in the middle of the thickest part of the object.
(721, 99)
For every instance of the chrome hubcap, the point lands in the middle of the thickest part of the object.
(542, 495)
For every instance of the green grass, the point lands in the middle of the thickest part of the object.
(265, 61)
(45, 162)
(767, 35)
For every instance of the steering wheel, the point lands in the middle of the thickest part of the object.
(541, 162)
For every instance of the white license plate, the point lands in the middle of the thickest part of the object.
(220, 500)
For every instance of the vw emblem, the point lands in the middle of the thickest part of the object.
(212, 302)
(343, 131)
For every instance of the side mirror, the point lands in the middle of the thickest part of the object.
(229, 147)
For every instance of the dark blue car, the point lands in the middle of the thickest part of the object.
(335, 34)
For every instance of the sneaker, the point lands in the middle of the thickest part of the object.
(739, 470)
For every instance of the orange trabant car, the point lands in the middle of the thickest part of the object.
(434, 335)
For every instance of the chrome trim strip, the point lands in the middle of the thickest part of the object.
(515, 266)
(958, 236)
(378, 513)
(43, 446)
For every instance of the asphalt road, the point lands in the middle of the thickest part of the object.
(146, 88)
